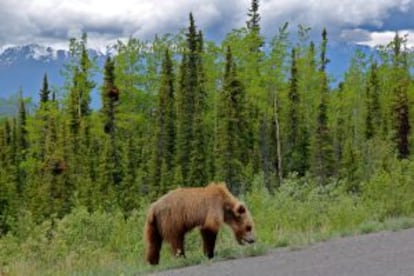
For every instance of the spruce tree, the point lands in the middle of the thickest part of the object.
(4, 187)
(45, 91)
(22, 144)
(198, 174)
(324, 60)
(42, 115)
(373, 110)
(110, 97)
(401, 106)
(9, 198)
(297, 138)
(81, 84)
(86, 84)
(77, 148)
(322, 150)
(22, 131)
(253, 24)
(3, 144)
(293, 117)
(183, 124)
(188, 96)
(231, 144)
(74, 105)
(164, 134)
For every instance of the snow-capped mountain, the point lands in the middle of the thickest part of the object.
(23, 67)
(10, 55)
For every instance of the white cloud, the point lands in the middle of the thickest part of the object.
(383, 38)
(33, 20)
(333, 14)
(355, 35)
(55, 21)
(368, 22)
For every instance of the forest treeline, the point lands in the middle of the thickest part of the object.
(182, 111)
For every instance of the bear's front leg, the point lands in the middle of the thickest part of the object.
(209, 241)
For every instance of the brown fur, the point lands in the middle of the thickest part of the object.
(181, 210)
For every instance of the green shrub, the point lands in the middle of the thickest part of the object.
(390, 193)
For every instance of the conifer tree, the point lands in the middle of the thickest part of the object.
(293, 114)
(8, 174)
(183, 126)
(82, 85)
(254, 41)
(85, 82)
(373, 115)
(4, 188)
(22, 131)
(253, 24)
(198, 174)
(45, 91)
(59, 197)
(340, 134)
(231, 144)
(77, 148)
(322, 150)
(43, 115)
(187, 96)
(3, 144)
(164, 134)
(110, 98)
(22, 144)
(401, 81)
(297, 145)
(9, 144)
(74, 105)
(324, 60)
(309, 84)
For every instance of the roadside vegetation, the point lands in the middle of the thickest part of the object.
(299, 213)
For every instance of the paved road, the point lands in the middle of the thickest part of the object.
(379, 254)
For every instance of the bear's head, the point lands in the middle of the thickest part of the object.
(239, 219)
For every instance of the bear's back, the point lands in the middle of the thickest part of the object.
(187, 208)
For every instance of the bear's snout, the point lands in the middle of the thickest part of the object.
(250, 240)
(247, 239)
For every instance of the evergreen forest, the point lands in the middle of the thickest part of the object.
(261, 114)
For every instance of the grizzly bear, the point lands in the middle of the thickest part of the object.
(181, 210)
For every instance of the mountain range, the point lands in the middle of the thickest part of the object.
(22, 69)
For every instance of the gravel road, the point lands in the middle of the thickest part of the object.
(384, 253)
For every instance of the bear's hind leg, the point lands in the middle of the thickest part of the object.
(209, 241)
(154, 241)
(177, 246)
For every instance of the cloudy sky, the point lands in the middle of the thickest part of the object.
(53, 22)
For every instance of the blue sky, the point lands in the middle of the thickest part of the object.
(53, 22)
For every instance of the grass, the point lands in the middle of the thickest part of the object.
(298, 214)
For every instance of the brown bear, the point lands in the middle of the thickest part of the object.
(181, 210)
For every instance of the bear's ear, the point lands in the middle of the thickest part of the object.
(241, 209)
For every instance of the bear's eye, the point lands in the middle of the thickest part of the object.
(248, 228)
